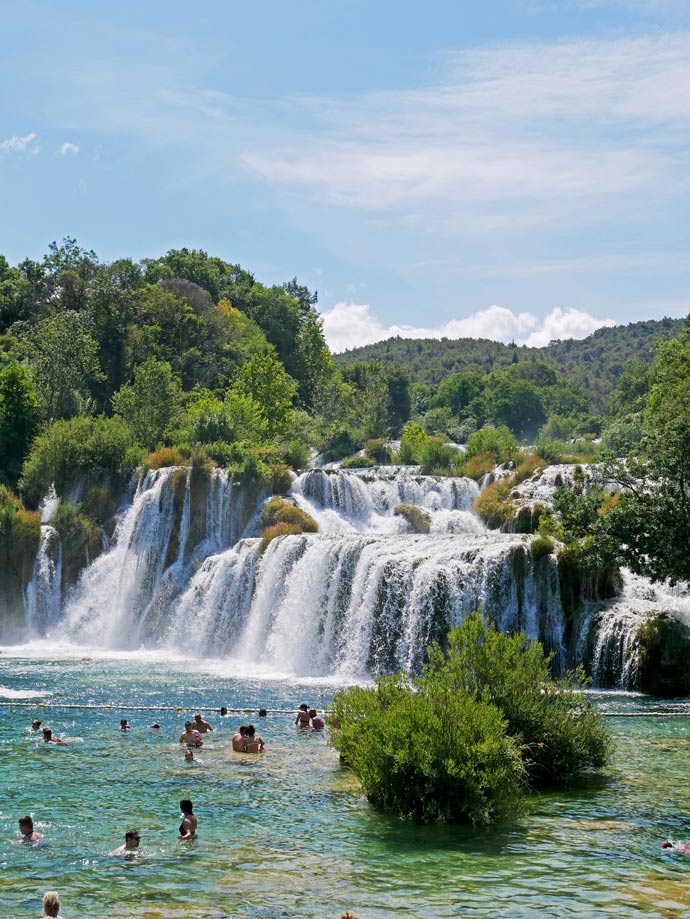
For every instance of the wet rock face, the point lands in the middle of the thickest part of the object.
(664, 656)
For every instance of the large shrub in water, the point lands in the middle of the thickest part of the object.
(559, 733)
(424, 753)
(462, 742)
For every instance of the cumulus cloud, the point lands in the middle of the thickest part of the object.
(351, 325)
(69, 148)
(18, 144)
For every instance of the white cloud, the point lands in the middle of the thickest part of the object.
(18, 144)
(351, 325)
(69, 148)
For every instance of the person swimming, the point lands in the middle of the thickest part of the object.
(253, 743)
(190, 736)
(675, 846)
(125, 725)
(49, 737)
(35, 724)
(302, 718)
(132, 840)
(239, 739)
(51, 905)
(317, 722)
(189, 821)
(203, 727)
(28, 835)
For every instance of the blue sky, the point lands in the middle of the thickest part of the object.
(514, 170)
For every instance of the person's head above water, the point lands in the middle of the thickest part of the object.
(26, 825)
(251, 730)
(35, 724)
(51, 903)
(188, 756)
(132, 839)
(47, 733)
(304, 707)
(186, 806)
(223, 710)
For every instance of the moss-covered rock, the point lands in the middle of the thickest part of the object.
(277, 510)
(20, 536)
(663, 656)
(80, 537)
(418, 519)
(273, 532)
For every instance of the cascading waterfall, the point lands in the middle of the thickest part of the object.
(364, 595)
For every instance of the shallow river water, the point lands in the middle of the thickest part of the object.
(286, 833)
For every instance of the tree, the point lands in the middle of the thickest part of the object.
(20, 413)
(151, 404)
(63, 356)
(265, 380)
(652, 518)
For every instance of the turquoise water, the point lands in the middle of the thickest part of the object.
(286, 834)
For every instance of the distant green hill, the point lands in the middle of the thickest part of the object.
(595, 362)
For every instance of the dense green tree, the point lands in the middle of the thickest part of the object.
(515, 403)
(151, 404)
(63, 356)
(20, 414)
(265, 380)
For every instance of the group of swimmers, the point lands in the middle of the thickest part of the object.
(309, 718)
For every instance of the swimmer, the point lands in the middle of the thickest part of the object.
(263, 713)
(35, 724)
(223, 711)
(189, 821)
(49, 737)
(302, 718)
(51, 905)
(317, 722)
(203, 727)
(253, 744)
(28, 834)
(239, 739)
(190, 736)
(124, 725)
(132, 840)
(675, 846)
(155, 726)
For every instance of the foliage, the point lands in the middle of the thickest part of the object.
(357, 462)
(437, 456)
(66, 448)
(63, 356)
(499, 443)
(412, 443)
(20, 533)
(273, 532)
(165, 456)
(151, 404)
(559, 733)
(428, 754)
(20, 413)
(494, 505)
(541, 546)
(595, 363)
(378, 450)
(277, 510)
(475, 467)
(663, 649)
(264, 379)
(419, 520)
(461, 742)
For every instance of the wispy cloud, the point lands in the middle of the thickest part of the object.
(514, 134)
(18, 144)
(69, 148)
(351, 325)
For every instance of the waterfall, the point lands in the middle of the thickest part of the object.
(357, 604)
(362, 596)
(43, 595)
(175, 521)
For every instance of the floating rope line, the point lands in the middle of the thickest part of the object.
(108, 706)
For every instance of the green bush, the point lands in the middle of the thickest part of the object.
(20, 534)
(418, 519)
(541, 546)
(499, 443)
(428, 754)
(281, 483)
(494, 505)
(277, 510)
(67, 448)
(273, 532)
(483, 723)
(357, 462)
(476, 467)
(437, 456)
(378, 450)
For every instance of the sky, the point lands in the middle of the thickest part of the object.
(511, 169)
